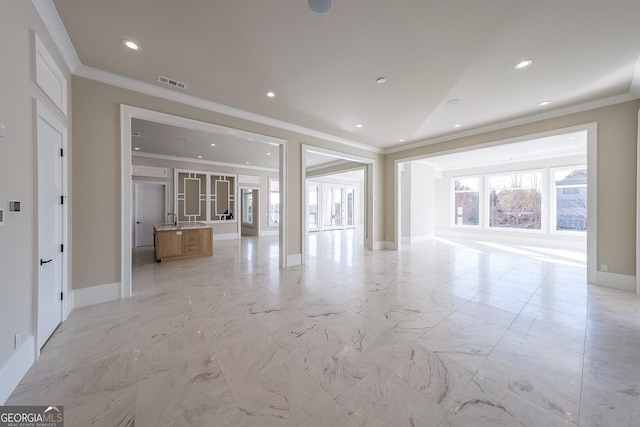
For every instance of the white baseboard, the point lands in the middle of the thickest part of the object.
(378, 246)
(417, 239)
(519, 238)
(269, 233)
(16, 367)
(225, 236)
(616, 281)
(96, 294)
(295, 259)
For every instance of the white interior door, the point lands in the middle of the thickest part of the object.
(50, 137)
(149, 210)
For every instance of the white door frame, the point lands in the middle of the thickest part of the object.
(167, 199)
(252, 188)
(369, 187)
(128, 112)
(42, 111)
(592, 184)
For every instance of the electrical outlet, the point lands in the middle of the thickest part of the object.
(17, 340)
(604, 268)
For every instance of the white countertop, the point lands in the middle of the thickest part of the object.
(183, 225)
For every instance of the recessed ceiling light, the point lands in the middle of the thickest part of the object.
(271, 94)
(381, 80)
(523, 64)
(136, 148)
(402, 140)
(248, 163)
(213, 145)
(543, 103)
(320, 6)
(457, 125)
(358, 125)
(268, 154)
(131, 44)
(199, 157)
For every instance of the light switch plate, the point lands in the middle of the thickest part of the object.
(14, 206)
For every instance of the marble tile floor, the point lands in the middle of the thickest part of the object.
(441, 333)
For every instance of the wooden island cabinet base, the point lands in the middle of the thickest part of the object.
(176, 244)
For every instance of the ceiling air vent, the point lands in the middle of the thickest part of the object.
(172, 82)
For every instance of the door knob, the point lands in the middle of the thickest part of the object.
(45, 262)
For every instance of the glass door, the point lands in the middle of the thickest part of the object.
(350, 207)
(313, 208)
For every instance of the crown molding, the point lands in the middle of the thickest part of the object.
(168, 94)
(51, 20)
(592, 105)
(202, 161)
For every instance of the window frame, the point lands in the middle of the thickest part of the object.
(271, 182)
(553, 209)
(543, 202)
(452, 201)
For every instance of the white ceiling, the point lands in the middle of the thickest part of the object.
(570, 144)
(323, 68)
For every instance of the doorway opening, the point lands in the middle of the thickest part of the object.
(538, 190)
(338, 202)
(212, 157)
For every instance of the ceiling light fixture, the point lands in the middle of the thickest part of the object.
(381, 80)
(213, 145)
(457, 125)
(523, 64)
(402, 140)
(131, 45)
(543, 103)
(271, 94)
(136, 148)
(199, 157)
(358, 125)
(268, 154)
(248, 163)
(320, 6)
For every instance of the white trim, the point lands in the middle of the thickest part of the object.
(225, 236)
(637, 208)
(616, 281)
(544, 240)
(96, 294)
(57, 31)
(635, 82)
(600, 103)
(47, 75)
(295, 259)
(201, 161)
(161, 92)
(149, 171)
(16, 367)
(264, 233)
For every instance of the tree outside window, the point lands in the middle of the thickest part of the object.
(515, 201)
(466, 201)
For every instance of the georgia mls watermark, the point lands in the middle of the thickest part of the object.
(31, 416)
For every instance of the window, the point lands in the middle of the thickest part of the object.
(466, 201)
(247, 206)
(515, 200)
(274, 202)
(312, 205)
(570, 199)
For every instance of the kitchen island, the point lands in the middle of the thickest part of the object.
(182, 240)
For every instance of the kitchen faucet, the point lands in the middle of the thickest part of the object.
(175, 218)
